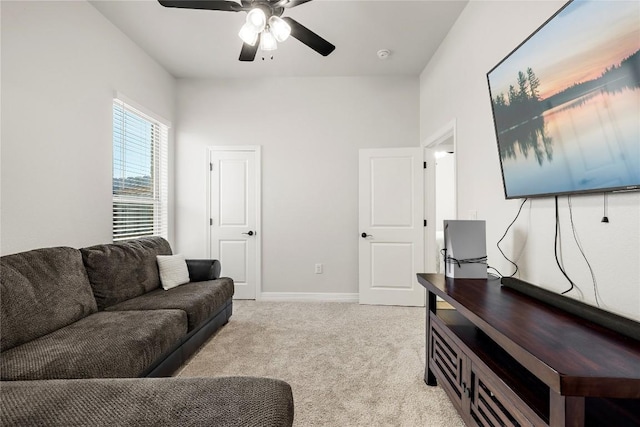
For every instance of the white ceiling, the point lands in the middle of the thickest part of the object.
(205, 44)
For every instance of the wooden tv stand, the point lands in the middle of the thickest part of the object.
(507, 359)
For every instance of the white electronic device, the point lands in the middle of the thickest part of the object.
(465, 249)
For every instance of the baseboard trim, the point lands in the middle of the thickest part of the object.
(308, 296)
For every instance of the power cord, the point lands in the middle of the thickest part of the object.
(555, 250)
(575, 237)
(605, 218)
(502, 238)
(451, 260)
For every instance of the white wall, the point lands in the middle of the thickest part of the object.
(61, 64)
(310, 130)
(453, 85)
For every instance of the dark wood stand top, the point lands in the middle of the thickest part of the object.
(572, 356)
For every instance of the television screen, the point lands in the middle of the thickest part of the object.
(566, 103)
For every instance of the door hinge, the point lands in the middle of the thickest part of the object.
(424, 165)
(210, 221)
(425, 222)
(211, 166)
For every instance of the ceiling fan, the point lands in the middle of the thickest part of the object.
(264, 26)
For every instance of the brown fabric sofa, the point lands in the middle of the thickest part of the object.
(98, 313)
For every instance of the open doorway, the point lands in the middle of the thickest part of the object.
(440, 191)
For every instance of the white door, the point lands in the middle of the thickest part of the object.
(234, 211)
(391, 248)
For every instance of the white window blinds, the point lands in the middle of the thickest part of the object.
(140, 177)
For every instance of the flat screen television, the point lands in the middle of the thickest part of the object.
(566, 103)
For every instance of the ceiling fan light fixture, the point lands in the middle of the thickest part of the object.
(268, 41)
(248, 35)
(262, 22)
(257, 19)
(279, 28)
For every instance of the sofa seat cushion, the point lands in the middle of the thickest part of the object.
(200, 300)
(124, 270)
(223, 402)
(103, 345)
(42, 290)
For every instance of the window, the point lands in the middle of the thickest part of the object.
(139, 174)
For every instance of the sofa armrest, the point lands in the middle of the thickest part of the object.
(203, 269)
(221, 402)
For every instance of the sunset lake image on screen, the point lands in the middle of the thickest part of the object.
(566, 103)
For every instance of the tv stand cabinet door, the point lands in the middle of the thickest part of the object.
(490, 405)
(450, 366)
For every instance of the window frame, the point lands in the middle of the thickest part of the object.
(159, 200)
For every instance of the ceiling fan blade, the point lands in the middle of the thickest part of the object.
(248, 52)
(223, 5)
(309, 38)
(293, 3)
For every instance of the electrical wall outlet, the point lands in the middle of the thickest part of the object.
(318, 268)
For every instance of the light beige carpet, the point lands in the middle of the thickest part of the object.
(348, 365)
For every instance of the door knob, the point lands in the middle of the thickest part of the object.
(365, 235)
(250, 233)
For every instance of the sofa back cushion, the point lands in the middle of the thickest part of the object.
(124, 270)
(41, 291)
